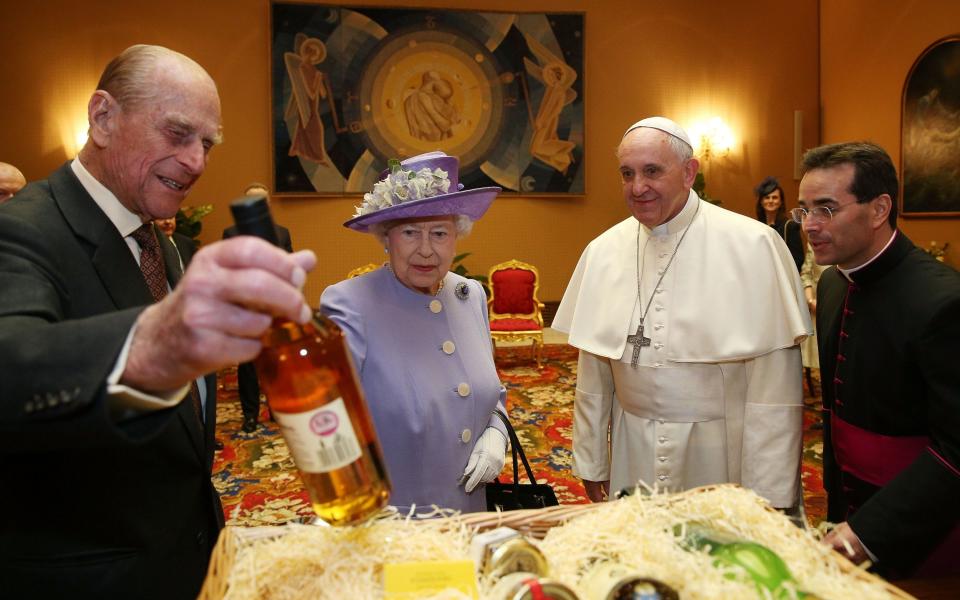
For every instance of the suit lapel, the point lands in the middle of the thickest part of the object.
(120, 274)
(171, 265)
(111, 257)
(189, 420)
(171, 259)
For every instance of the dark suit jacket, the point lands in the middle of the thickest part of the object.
(283, 236)
(92, 506)
(789, 231)
(186, 247)
(893, 372)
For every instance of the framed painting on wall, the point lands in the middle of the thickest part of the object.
(353, 87)
(930, 133)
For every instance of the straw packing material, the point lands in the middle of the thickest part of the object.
(340, 562)
(646, 533)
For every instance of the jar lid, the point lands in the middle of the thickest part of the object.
(541, 589)
(515, 555)
(632, 587)
(611, 580)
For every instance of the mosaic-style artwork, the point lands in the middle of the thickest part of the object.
(354, 86)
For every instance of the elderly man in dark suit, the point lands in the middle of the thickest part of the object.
(105, 431)
(888, 328)
(249, 387)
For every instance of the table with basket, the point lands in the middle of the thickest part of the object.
(645, 532)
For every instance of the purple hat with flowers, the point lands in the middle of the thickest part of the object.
(426, 185)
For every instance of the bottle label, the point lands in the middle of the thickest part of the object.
(320, 440)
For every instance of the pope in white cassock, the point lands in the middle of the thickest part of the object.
(688, 318)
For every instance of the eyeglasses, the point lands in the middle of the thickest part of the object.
(820, 214)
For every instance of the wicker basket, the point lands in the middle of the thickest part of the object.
(531, 523)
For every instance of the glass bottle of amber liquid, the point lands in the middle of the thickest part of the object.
(311, 386)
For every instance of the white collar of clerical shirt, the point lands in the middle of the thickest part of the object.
(679, 222)
(847, 272)
(125, 221)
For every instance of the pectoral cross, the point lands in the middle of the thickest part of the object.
(638, 342)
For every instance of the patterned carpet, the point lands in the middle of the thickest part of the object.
(259, 486)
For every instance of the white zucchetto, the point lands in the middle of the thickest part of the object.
(663, 124)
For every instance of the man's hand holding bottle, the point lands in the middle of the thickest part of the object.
(225, 302)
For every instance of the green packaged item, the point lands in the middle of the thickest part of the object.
(764, 567)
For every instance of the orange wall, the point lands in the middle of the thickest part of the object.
(751, 62)
(867, 48)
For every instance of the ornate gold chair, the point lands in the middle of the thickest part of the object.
(364, 269)
(515, 312)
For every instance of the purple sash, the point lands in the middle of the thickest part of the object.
(877, 459)
(873, 457)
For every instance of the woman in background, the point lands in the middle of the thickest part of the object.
(420, 338)
(809, 276)
(772, 210)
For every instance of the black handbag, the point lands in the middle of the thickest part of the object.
(516, 495)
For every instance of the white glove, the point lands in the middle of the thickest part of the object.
(486, 460)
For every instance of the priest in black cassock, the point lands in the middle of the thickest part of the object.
(888, 325)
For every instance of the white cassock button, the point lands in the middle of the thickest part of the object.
(449, 347)
(662, 477)
(660, 421)
(662, 459)
(465, 436)
(436, 306)
(662, 439)
(661, 271)
(658, 307)
(657, 345)
(463, 389)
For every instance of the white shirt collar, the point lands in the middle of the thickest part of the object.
(847, 272)
(679, 222)
(125, 221)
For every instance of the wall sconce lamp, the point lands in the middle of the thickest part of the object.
(711, 138)
(72, 133)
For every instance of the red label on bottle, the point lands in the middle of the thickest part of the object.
(321, 440)
(324, 423)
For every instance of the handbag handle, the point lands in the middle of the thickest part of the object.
(517, 450)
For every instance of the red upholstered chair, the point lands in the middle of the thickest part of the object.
(515, 312)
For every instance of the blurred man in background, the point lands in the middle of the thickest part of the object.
(249, 387)
(11, 181)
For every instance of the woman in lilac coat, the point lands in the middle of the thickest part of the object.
(420, 338)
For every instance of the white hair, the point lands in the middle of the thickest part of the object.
(682, 149)
(130, 77)
(463, 223)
